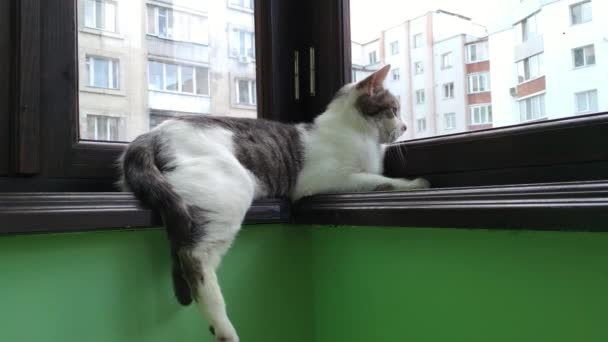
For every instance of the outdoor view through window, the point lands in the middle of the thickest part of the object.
(469, 65)
(144, 61)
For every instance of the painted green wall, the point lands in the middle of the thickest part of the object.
(321, 284)
(115, 287)
(438, 285)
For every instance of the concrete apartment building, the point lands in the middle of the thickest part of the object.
(142, 62)
(551, 62)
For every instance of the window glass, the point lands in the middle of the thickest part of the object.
(581, 13)
(163, 59)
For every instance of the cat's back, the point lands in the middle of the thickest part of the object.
(272, 151)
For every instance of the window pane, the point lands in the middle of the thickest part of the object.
(579, 57)
(243, 92)
(169, 58)
(590, 55)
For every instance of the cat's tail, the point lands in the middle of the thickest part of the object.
(141, 167)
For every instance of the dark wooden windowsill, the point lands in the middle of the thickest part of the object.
(22, 213)
(581, 206)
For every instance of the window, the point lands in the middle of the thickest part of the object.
(245, 92)
(242, 4)
(242, 45)
(532, 108)
(580, 13)
(420, 96)
(583, 56)
(586, 101)
(421, 125)
(477, 52)
(449, 120)
(101, 127)
(527, 28)
(418, 68)
(530, 68)
(479, 83)
(446, 60)
(481, 114)
(102, 72)
(395, 47)
(448, 90)
(373, 58)
(176, 25)
(100, 14)
(178, 78)
(418, 42)
(395, 74)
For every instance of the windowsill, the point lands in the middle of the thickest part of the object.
(483, 60)
(584, 66)
(448, 98)
(530, 80)
(236, 57)
(101, 33)
(244, 106)
(178, 93)
(480, 124)
(104, 91)
(544, 118)
(150, 35)
(479, 92)
(241, 9)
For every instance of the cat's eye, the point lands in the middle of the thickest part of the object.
(394, 110)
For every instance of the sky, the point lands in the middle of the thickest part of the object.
(369, 17)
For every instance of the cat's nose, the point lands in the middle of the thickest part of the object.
(403, 128)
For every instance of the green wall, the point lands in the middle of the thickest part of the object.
(321, 284)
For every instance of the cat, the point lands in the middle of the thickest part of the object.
(203, 172)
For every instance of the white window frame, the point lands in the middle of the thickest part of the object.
(394, 47)
(113, 64)
(449, 121)
(446, 60)
(180, 28)
(420, 96)
(485, 114)
(100, 26)
(586, 54)
(96, 118)
(395, 74)
(235, 49)
(418, 68)
(476, 79)
(373, 60)
(448, 90)
(523, 30)
(539, 110)
(590, 108)
(250, 89)
(179, 78)
(240, 4)
(481, 52)
(533, 68)
(582, 5)
(421, 125)
(418, 40)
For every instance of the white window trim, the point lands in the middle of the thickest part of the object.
(156, 6)
(416, 68)
(232, 30)
(586, 92)
(580, 3)
(468, 53)
(418, 97)
(112, 63)
(445, 120)
(529, 97)
(470, 78)
(416, 46)
(96, 118)
(179, 78)
(445, 86)
(418, 125)
(586, 65)
(250, 89)
(103, 29)
(531, 78)
(449, 66)
(395, 72)
(472, 114)
(394, 51)
(241, 8)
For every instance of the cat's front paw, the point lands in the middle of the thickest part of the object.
(414, 184)
(227, 334)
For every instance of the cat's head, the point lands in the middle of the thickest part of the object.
(370, 101)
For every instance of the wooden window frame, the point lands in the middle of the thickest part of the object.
(501, 178)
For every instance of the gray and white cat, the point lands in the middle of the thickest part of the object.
(202, 174)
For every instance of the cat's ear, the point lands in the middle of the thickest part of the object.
(374, 81)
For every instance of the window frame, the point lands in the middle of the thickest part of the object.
(587, 100)
(584, 49)
(471, 82)
(487, 115)
(448, 88)
(394, 47)
(449, 60)
(581, 4)
(449, 121)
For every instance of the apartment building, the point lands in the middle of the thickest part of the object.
(149, 60)
(551, 62)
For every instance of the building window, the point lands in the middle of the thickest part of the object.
(532, 108)
(448, 90)
(418, 68)
(373, 57)
(421, 125)
(394, 47)
(420, 96)
(481, 114)
(175, 25)
(395, 74)
(244, 4)
(586, 101)
(102, 127)
(479, 83)
(418, 40)
(477, 52)
(245, 92)
(580, 13)
(530, 68)
(187, 79)
(242, 45)
(102, 72)
(100, 14)
(527, 28)
(446, 60)
(449, 120)
(583, 56)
